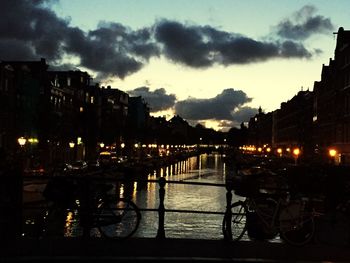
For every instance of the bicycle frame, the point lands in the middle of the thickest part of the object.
(268, 219)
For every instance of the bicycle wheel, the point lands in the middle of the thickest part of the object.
(238, 221)
(261, 218)
(296, 227)
(118, 218)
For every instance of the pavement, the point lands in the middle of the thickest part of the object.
(165, 250)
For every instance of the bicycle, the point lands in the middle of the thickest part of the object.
(272, 214)
(112, 216)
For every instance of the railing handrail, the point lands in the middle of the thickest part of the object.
(161, 181)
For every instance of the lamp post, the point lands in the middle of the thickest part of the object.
(332, 153)
(296, 153)
(71, 146)
(22, 152)
(21, 141)
(279, 151)
(122, 146)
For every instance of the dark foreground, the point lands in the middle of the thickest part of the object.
(168, 250)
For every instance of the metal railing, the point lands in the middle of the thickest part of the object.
(101, 177)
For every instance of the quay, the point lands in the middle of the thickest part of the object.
(165, 250)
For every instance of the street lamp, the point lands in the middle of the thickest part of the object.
(102, 145)
(22, 154)
(72, 153)
(332, 153)
(296, 153)
(21, 141)
(279, 151)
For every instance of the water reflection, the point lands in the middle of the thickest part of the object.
(203, 168)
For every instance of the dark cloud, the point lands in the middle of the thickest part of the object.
(63, 67)
(34, 29)
(218, 108)
(158, 99)
(17, 50)
(304, 24)
(243, 114)
(184, 44)
(112, 49)
(225, 126)
(30, 29)
(203, 46)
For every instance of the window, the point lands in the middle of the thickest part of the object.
(92, 99)
(68, 81)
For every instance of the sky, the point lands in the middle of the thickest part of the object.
(211, 62)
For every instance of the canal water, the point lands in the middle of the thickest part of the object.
(206, 168)
(211, 199)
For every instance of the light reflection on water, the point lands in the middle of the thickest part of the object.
(206, 168)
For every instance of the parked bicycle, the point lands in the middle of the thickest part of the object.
(264, 216)
(98, 208)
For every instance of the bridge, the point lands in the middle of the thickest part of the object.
(160, 248)
(165, 250)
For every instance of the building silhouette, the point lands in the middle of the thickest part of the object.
(315, 121)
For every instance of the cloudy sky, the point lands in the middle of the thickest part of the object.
(211, 62)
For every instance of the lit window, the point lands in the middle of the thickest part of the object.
(81, 109)
(92, 100)
(68, 81)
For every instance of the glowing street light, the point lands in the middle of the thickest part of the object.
(71, 145)
(21, 141)
(332, 152)
(33, 140)
(296, 153)
(102, 145)
(279, 151)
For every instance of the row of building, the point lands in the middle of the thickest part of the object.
(62, 116)
(57, 115)
(317, 122)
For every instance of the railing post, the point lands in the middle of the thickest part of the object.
(161, 209)
(86, 205)
(228, 213)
